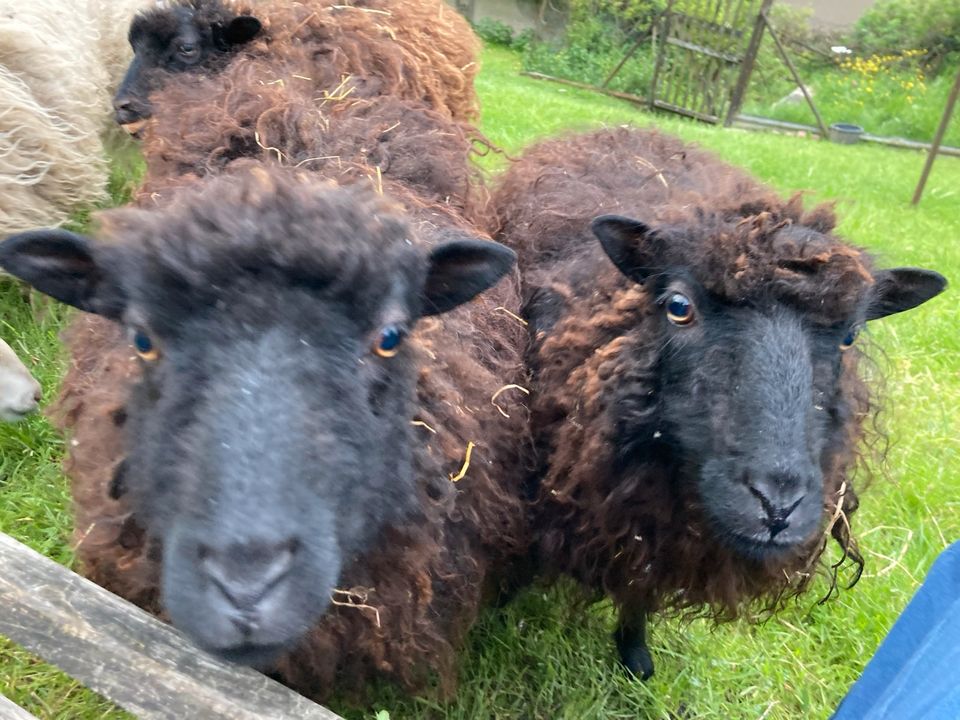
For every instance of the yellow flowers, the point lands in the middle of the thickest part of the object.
(877, 64)
(887, 78)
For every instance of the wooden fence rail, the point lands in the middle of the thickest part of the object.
(9, 711)
(126, 655)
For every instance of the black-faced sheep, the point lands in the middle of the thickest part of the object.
(697, 404)
(309, 465)
(420, 50)
(58, 60)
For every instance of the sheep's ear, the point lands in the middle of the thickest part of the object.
(901, 289)
(631, 245)
(462, 269)
(241, 30)
(61, 264)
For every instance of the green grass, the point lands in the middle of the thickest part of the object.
(540, 657)
(885, 97)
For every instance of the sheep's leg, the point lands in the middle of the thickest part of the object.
(631, 639)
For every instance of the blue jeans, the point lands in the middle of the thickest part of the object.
(915, 673)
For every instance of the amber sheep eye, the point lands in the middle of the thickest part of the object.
(850, 339)
(388, 341)
(679, 309)
(145, 346)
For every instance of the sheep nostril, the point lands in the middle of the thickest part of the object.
(245, 623)
(776, 509)
(246, 573)
(37, 395)
(128, 112)
(776, 525)
(778, 518)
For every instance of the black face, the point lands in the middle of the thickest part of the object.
(176, 39)
(266, 446)
(750, 394)
(270, 438)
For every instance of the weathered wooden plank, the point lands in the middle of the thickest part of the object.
(623, 61)
(684, 111)
(12, 711)
(746, 67)
(126, 655)
(712, 26)
(793, 71)
(636, 99)
(663, 31)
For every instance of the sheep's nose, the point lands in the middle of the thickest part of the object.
(779, 496)
(247, 574)
(26, 401)
(778, 517)
(127, 112)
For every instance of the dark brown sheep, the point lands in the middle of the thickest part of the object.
(307, 469)
(420, 50)
(697, 407)
(258, 250)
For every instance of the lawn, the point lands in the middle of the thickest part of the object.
(887, 95)
(540, 657)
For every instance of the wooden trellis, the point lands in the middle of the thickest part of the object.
(705, 55)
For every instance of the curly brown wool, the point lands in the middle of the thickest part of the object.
(208, 123)
(635, 530)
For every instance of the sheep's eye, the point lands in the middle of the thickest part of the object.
(850, 339)
(388, 341)
(187, 49)
(145, 346)
(679, 309)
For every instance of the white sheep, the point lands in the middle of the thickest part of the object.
(19, 391)
(59, 63)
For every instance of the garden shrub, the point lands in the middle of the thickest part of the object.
(494, 32)
(892, 26)
(597, 35)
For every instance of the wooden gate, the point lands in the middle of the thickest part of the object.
(705, 53)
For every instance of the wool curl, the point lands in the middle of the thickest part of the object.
(205, 124)
(59, 60)
(634, 532)
(407, 603)
(420, 50)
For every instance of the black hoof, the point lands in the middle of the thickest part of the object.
(635, 659)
